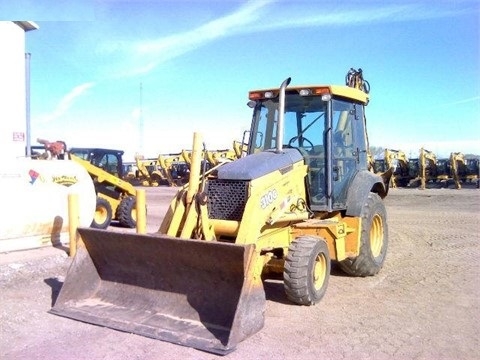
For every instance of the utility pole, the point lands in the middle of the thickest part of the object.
(27, 105)
(140, 119)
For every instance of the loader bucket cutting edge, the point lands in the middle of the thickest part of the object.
(189, 292)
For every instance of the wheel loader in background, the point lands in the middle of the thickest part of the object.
(302, 197)
(116, 198)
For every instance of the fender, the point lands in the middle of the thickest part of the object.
(363, 183)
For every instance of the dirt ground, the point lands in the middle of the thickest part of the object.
(424, 304)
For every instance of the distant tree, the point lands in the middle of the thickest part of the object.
(472, 156)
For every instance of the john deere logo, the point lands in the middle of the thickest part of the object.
(65, 180)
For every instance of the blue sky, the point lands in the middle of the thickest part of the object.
(195, 62)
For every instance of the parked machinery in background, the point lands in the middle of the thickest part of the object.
(399, 161)
(116, 198)
(457, 162)
(470, 172)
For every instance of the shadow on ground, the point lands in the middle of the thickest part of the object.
(55, 285)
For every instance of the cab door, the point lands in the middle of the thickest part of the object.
(349, 148)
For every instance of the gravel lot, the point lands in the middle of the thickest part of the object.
(424, 304)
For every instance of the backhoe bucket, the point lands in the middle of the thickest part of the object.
(194, 293)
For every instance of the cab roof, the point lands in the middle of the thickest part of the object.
(335, 90)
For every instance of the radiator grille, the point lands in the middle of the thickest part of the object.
(226, 199)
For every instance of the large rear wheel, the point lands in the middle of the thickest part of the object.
(126, 212)
(307, 270)
(103, 214)
(373, 240)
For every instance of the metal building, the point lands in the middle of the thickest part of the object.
(13, 89)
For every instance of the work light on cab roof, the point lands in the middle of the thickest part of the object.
(325, 91)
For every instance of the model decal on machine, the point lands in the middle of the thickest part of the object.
(268, 198)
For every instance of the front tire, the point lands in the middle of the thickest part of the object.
(126, 212)
(307, 270)
(103, 214)
(373, 240)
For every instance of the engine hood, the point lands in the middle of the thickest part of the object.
(257, 165)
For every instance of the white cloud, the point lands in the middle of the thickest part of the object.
(462, 101)
(148, 54)
(218, 28)
(65, 103)
(260, 16)
(367, 14)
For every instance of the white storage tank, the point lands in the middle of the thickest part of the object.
(35, 202)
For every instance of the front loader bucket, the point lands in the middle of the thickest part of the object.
(190, 292)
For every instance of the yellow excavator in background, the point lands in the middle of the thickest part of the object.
(457, 160)
(145, 168)
(428, 164)
(216, 157)
(399, 161)
(173, 169)
(300, 198)
(240, 149)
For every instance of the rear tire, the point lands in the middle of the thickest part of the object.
(126, 212)
(307, 270)
(103, 214)
(373, 240)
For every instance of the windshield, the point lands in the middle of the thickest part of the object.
(81, 153)
(303, 125)
(305, 120)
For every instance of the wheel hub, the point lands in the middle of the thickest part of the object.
(320, 271)
(376, 236)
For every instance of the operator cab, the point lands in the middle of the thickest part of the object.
(326, 124)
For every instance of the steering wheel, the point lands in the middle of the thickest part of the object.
(310, 144)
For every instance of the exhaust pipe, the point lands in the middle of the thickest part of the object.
(281, 115)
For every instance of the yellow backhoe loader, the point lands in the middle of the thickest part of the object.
(240, 148)
(216, 157)
(427, 167)
(399, 161)
(145, 168)
(440, 172)
(457, 160)
(173, 169)
(211, 158)
(300, 198)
